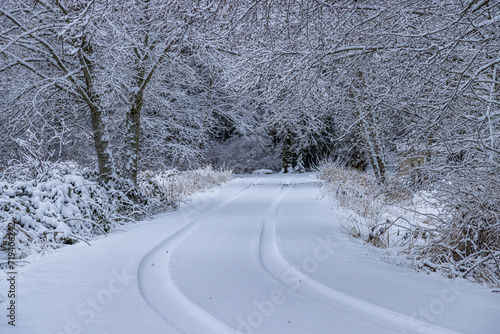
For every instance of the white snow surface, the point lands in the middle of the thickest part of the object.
(262, 254)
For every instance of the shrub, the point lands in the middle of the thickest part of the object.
(467, 242)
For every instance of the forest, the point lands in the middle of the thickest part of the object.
(407, 91)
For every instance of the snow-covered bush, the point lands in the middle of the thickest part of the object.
(300, 165)
(467, 242)
(61, 210)
(68, 206)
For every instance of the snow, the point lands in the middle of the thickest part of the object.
(262, 254)
(262, 171)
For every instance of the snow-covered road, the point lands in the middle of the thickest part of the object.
(263, 254)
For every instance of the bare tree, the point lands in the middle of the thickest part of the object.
(105, 56)
(60, 46)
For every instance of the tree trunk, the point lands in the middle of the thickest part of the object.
(100, 133)
(286, 155)
(102, 144)
(373, 145)
(490, 116)
(132, 138)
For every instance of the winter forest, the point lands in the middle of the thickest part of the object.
(134, 85)
(401, 96)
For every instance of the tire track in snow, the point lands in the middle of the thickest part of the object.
(276, 265)
(160, 291)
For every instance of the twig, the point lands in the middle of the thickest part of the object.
(87, 221)
(81, 239)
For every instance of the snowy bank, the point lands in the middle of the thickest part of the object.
(448, 227)
(71, 205)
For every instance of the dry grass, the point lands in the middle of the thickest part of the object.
(460, 237)
(382, 215)
(352, 189)
(467, 244)
(360, 193)
(178, 185)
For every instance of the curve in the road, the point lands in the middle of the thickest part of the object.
(160, 291)
(276, 265)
